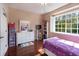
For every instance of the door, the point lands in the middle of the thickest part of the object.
(3, 34)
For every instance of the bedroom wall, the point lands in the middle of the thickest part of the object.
(15, 15)
(63, 36)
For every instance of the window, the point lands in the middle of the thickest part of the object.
(68, 23)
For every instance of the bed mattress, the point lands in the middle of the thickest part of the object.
(60, 49)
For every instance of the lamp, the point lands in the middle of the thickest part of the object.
(43, 5)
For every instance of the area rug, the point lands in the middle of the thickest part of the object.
(26, 44)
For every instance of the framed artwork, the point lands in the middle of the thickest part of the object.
(24, 25)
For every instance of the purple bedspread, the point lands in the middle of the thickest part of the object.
(59, 48)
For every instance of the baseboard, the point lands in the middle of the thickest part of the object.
(6, 54)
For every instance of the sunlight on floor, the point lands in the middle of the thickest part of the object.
(41, 51)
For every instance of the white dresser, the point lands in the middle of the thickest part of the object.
(25, 36)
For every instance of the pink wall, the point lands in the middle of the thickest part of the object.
(15, 15)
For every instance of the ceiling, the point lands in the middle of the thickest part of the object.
(36, 7)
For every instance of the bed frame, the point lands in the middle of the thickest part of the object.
(49, 53)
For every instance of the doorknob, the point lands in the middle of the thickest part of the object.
(1, 37)
(5, 30)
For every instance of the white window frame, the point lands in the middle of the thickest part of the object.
(52, 23)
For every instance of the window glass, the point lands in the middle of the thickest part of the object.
(74, 25)
(56, 20)
(74, 18)
(59, 29)
(67, 23)
(63, 30)
(78, 25)
(56, 26)
(78, 31)
(74, 30)
(63, 25)
(63, 19)
(56, 29)
(69, 30)
(78, 18)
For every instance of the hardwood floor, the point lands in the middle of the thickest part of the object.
(26, 51)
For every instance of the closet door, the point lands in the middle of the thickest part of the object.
(0, 29)
(3, 33)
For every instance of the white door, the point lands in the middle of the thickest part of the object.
(3, 34)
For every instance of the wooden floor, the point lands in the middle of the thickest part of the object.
(26, 51)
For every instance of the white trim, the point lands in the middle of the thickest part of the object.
(47, 29)
(72, 8)
(52, 24)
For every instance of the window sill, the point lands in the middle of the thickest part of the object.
(67, 33)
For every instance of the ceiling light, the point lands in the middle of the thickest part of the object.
(43, 4)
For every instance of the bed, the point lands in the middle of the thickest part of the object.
(60, 47)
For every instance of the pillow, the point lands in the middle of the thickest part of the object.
(62, 40)
(53, 38)
(67, 42)
(76, 45)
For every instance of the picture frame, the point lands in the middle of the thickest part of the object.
(24, 25)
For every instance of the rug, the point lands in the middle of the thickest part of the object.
(26, 44)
